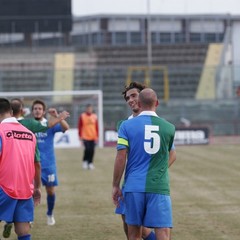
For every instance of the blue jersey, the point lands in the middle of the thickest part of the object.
(149, 139)
(45, 142)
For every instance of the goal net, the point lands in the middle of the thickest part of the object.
(72, 101)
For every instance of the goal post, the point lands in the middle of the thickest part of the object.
(71, 101)
(146, 70)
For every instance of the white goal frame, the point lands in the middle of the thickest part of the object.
(97, 93)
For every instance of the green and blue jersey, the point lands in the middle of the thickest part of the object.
(148, 139)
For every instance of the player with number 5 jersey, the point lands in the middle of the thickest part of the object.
(155, 135)
(143, 147)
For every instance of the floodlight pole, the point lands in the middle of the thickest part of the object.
(149, 44)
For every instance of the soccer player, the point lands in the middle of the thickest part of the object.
(88, 133)
(130, 95)
(146, 183)
(19, 174)
(34, 126)
(47, 155)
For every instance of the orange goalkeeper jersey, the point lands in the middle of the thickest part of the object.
(88, 126)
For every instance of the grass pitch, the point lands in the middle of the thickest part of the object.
(204, 188)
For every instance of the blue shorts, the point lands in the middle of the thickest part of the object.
(14, 210)
(148, 209)
(49, 177)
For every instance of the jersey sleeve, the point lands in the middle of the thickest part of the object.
(33, 125)
(122, 142)
(171, 145)
(37, 154)
(38, 127)
(57, 128)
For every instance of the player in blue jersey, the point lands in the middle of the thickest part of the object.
(130, 95)
(45, 142)
(146, 181)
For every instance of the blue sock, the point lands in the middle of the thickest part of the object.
(151, 236)
(25, 237)
(50, 203)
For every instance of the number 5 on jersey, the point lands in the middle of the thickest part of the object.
(152, 139)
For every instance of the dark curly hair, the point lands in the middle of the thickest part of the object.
(137, 85)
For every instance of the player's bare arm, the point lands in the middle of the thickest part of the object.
(37, 184)
(119, 167)
(172, 157)
(56, 117)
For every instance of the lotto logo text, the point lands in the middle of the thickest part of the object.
(19, 135)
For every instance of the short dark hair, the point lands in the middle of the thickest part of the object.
(17, 105)
(5, 106)
(38, 101)
(132, 85)
(89, 105)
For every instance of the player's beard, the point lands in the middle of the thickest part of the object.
(135, 110)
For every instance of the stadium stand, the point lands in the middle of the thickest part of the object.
(206, 87)
(102, 49)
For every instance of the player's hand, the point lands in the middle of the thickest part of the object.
(63, 115)
(53, 112)
(37, 196)
(116, 195)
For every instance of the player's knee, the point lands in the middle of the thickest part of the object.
(50, 191)
(22, 228)
(146, 232)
